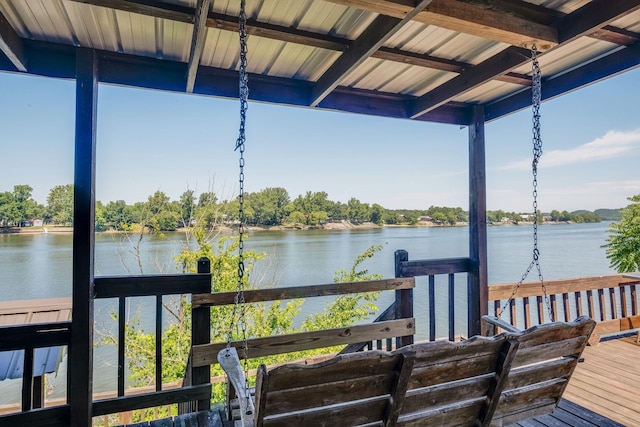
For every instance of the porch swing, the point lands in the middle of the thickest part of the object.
(495, 380)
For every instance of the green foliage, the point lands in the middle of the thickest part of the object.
(296, 217)
(358, 211)
(60, 204)
(623, 244)
(18, 206)
(269, 206)
(447, 215)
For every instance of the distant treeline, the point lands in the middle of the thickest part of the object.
(268, 207)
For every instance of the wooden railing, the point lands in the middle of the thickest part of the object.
(29, 338)
(401, 326)
(432, 268)
(158, 286)
(612, 301)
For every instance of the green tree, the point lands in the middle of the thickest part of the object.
(118, 215)
(26, 207)
(296, 217)
(623, 243)
(160, 213)
(187, 207)
(100, 222)
(269, 205)
(60, 204)
(377, 214)
(358, 211)
(310, 203)
(9, 213)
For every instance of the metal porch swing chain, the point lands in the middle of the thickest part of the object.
(239, 311)
(536, 98)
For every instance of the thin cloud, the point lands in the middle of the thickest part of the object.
(612, 144)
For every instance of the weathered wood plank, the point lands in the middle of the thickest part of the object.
(204, 355)
(294, 292)
(35, 335)
(362, 413)
(151, 285)
(58, 416)
(159, 398)
(463, 413)
(435, 267)
(528, 289)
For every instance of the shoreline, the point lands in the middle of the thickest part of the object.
(342, 225)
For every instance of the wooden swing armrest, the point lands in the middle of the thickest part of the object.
(230, 362)
(493, 323)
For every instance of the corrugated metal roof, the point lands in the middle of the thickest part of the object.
(279, 45)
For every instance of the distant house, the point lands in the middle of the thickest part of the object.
(424, 218)
(38, 223)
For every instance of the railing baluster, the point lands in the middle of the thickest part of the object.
(634, 299)
(612, 302)
(158, 342)
(27, 378)
(121, 343)
(513, 312)
(527, 313)
(603, 307)
(567, 308)
(578, 298)
(623, 301)
(452, 308)
(540, 302)
(591, 305)
(432, 307)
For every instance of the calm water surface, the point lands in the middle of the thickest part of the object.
(39, 265)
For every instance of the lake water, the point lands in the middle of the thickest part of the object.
(39, 265)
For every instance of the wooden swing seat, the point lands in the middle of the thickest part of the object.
(484, 381)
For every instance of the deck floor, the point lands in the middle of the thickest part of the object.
(608, 381)
(568, 414)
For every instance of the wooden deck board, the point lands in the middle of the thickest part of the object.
(608, 382)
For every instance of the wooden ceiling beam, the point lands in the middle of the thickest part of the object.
(585, 20)
(379, 31)
(197, 42)
(11, 45)
(468, 18)
(593, 16)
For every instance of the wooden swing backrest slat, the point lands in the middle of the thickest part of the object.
(451, 381)
(350, 389)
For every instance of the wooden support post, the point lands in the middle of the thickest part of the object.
(404, 297)
(201, 334)
(80, 378)
(477, 286)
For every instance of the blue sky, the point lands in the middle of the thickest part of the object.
(150, 141)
